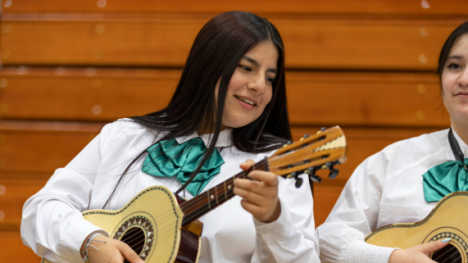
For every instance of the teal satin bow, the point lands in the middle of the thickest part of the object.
(169, 159)
(444, 179)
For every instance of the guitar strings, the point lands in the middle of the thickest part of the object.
(455, 260)
(166, 220)
(164, 227)
(163, 217)
(443, 253)
(200, 199)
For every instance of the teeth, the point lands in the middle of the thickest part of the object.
(246, 101)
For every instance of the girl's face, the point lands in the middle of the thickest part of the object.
(455, 81)
(251, 86)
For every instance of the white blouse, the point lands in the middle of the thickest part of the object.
(387, 188)
(54, 228)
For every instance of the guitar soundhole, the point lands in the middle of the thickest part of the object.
(138, 233)
(134, 238)
(448, 254)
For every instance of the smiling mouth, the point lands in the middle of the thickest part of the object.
(245, 100)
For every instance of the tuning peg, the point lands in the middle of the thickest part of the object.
(315, 178)
(333, 173)
(287, 143)
(321, 130)
(305, 136)
(299, 182)
(312, 176)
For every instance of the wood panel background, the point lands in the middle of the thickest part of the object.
(68, 67)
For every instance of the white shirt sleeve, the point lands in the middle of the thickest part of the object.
(52, 224)
(292, 237)
(354, 216)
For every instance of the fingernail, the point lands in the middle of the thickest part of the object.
(446, 240)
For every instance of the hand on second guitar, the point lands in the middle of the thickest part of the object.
(259, 196)
(111, 251)
(417, 254)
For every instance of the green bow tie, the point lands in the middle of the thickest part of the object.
(169, 159)
(444, 179)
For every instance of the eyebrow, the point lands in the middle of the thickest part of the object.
(253, 61)
(455, 57)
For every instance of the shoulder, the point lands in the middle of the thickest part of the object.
(423, 145)
(408, 153)
(126, 131)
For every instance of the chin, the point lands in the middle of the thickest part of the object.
(460, 114)
(237, 123)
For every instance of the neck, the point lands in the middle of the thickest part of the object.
(213, 197)
(461, 128)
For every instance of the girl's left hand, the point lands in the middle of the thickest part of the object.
(259, 197)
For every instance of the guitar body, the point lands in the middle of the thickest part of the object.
(151, 224)
(447, 220)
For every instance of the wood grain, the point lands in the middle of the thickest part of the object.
(310, 43)
(314, 98)
(259, 6)
(14, 194)
(39, 150)
(13, 250)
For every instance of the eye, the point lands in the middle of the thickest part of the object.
(271, 80)
(454, 66)
(244, 67)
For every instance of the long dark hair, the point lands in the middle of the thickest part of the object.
(444, 53)
(215, 54)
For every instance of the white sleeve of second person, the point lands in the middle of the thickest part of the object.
(52, 224)
(292, 237)
(354, 216)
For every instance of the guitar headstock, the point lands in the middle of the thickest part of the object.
(322, 150)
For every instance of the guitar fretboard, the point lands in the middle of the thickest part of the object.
(212, 198)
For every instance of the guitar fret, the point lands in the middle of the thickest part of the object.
(208, 195)
(225, 194)
(216, 193)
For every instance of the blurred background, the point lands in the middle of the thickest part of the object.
(70, 66)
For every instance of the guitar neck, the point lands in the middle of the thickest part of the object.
(213, 197)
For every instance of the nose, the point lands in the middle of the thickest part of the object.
(463, 80)
(257, 83)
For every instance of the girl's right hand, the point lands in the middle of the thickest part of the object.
(417, 254)
(113, 251)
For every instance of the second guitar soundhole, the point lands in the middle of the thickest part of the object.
(448, 254)
(134, 238)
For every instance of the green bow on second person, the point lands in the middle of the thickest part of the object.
(169, 159)
(444, 179)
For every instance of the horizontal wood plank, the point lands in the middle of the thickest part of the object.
(24, 149)
(315, 98)
(13, 195)
(13, 250)
(259, 6)
(165, 41)
(325, 197)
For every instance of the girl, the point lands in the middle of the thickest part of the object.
(229, 106)
(403, 183)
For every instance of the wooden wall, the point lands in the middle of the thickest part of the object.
(69, 66)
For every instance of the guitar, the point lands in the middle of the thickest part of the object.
(168, 230)
(447, 220)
